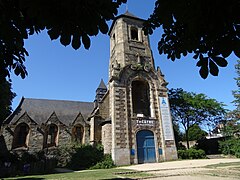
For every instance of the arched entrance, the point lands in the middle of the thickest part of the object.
(146, 147)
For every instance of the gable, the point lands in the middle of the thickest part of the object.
(39, 110)
(25, 119)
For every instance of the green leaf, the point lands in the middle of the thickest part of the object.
(204, 72)
(237, 52)
(86, 41)
(213, 68)
(17, 71)
(199, 63)
(226, 51)
(220, 61)
(53, 34)
(65, 39)
(103, 27)
(195, 56)
(76, 43)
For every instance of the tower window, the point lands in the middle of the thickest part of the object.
(134, 34)
(20, 135)
(140, 98)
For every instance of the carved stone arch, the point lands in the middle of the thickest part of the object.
(140, 92)
(21, 136)
(126, 75)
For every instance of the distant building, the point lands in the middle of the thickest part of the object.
(131, 118)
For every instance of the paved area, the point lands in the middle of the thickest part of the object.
(179, 164)
(189, 170)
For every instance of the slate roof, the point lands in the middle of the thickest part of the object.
(126, 14)
(102, 85)
(40, 110)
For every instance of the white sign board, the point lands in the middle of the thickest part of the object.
(166, 119)
(147, 122)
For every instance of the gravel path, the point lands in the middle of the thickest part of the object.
(189, 170)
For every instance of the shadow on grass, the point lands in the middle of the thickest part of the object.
(28, 178)
(119, 179)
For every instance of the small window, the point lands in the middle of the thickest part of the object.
(134, 34)
(114, 37)
(78, 134)
(51, 135)
(20, 135)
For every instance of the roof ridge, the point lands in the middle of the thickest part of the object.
(127, 13)
(42, 99)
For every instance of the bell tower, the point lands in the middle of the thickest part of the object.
(141, 126)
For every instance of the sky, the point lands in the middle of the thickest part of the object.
(59, 72)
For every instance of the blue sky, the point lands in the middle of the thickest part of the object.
(58, 72)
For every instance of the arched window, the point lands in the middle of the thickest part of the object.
(77, 133)
(20, 135)
(134, 34)
(51, 135)
(140, 98)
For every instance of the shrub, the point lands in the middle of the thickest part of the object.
(106, 163)
(64, 154)
(191, 154)
(79, 156)
(230, 147)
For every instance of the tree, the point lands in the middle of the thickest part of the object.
(208, 29)
(71, 21)
(6, 97)
(195, 133)
(189, 109)
(236, 93)
(178, 136)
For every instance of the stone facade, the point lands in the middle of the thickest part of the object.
(131, 117)
(135, 88)
(29, 126)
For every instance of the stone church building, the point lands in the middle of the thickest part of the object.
(130, 117)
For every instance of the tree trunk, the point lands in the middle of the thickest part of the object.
(187, 138)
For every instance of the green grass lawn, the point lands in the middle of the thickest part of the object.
(232, 164)
(90, 175)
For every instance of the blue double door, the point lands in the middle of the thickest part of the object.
(146, 147)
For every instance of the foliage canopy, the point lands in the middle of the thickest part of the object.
(6, 98)
(236, 93)
(72, 21)
(208, 29)
(189, 109)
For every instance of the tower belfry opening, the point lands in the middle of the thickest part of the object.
(140, 98)
(134, 34)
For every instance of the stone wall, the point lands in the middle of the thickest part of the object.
(104, 107)
(107, 138)
(120, 146)
(35, 140)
